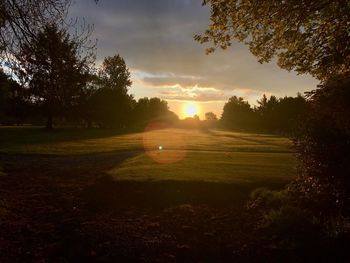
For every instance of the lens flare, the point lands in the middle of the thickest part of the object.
(162, 144)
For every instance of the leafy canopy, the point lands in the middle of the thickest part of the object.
(54, 69)
(114, 74)
(308, 36)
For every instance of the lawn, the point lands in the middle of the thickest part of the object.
(167, 154)
(36, 140)
(76, 195)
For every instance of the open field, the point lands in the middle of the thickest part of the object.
(233, 167)
(192, 155)
(82, 141)
(166, 195)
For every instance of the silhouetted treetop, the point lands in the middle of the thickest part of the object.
(237, 114)
(53, 70)
(210, 116)
(307, 36)
(20, 20)
(114, 74)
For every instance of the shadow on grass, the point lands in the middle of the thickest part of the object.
(107, 193)
(18, 136)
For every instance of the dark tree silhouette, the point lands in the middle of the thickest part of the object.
(112, 105)
(55, 71)
(281, 115)
(324, 150)
(4, 94)
(238, 114)
(210, 121)
(153, 109)
(20, 20)
(14, 103)
(114, 74)
(210, 116)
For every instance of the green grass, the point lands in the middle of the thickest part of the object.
(215, 156)
(189, 155)
(236, 167)
(83, 141)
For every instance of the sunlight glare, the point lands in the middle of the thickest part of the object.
(191, 109)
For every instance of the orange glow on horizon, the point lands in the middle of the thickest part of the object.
(190, 109)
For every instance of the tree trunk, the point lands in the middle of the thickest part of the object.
(89, 124)
(49, 124)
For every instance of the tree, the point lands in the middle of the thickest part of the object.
(324, 150)
(307, 36)
(114, 74)
(55, 70)
(4, 93)
(210, 116)
(153, 109)
(20, 20)
(85, 108)
(291, 111)
(210, 120)
(281, 115)
(111, 101)
(157, 107)
(237, 114)
(14, 103)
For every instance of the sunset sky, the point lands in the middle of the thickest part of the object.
(156, 40)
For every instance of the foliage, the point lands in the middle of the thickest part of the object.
(281, 115)
(20, 20)
(111, 108)
(306, 36)
(55, 71)
(4, 93)
(210, 116)
(211, 120)
(311, 212)
(323, 146)
(114, 74)
(109, 101)
(272, 115)
(14, 104)
(153, 109)
(237, 114)
(284, 223)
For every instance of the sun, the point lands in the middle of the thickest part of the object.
(190, 109)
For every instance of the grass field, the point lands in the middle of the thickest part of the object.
(171, 195)
(171, 154)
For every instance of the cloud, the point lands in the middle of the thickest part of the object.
(155, 38)
(196, 93)
(166, 79)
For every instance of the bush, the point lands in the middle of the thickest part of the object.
(323, 147)
(286, 225)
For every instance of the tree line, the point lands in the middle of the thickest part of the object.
(271, 115)
(57, 80)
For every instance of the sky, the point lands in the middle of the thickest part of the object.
(155, 38)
